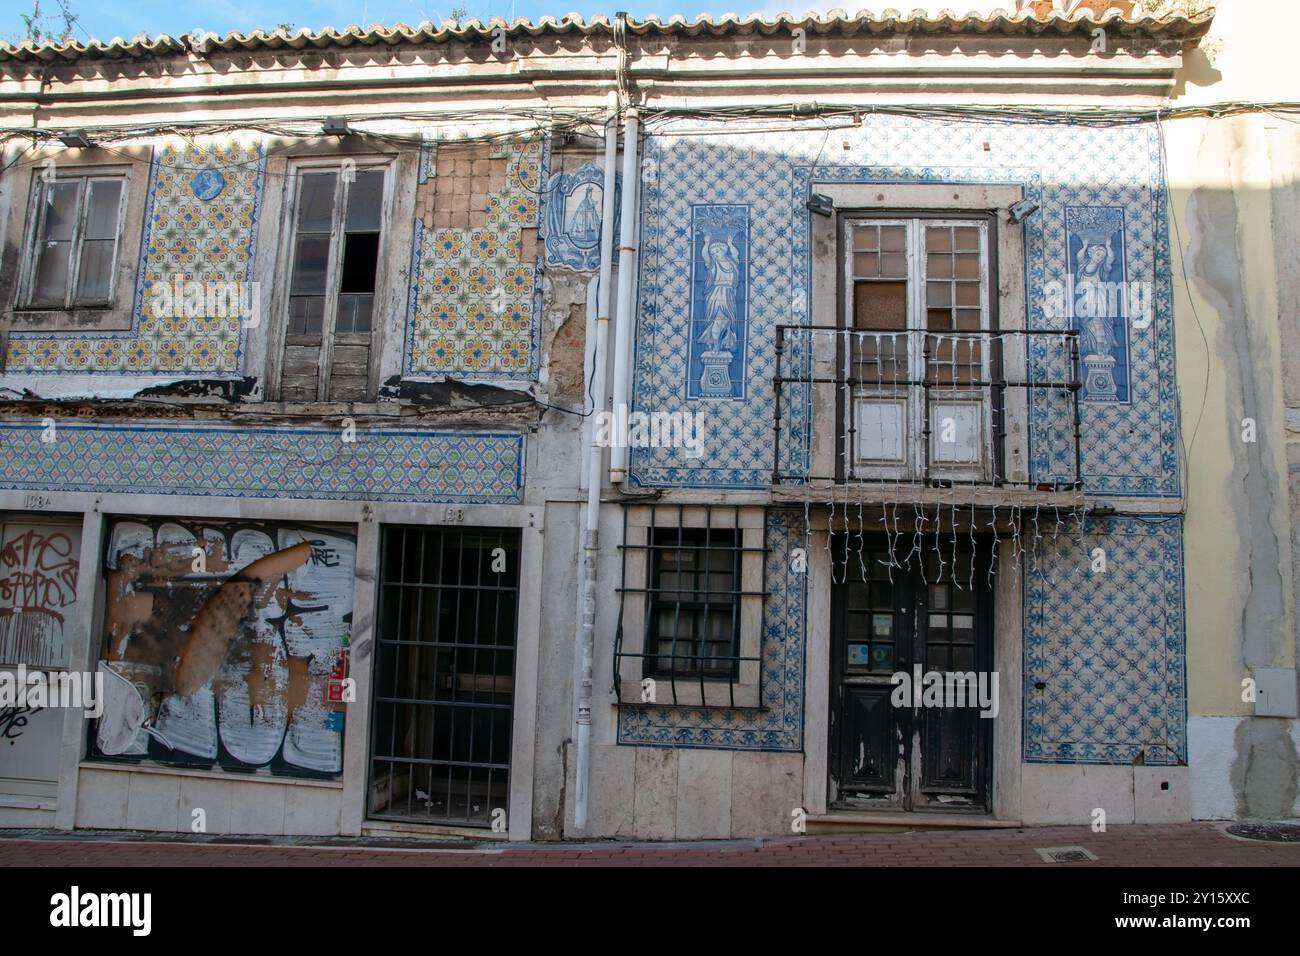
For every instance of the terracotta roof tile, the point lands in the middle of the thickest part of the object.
(890, 21)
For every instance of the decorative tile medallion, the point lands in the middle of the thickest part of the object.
(571, 220)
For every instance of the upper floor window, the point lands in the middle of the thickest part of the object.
(75, 239)
(917, 348)
(338, 220)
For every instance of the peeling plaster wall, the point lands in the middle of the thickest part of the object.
(1234, 205)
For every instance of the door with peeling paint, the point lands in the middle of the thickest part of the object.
(891, 619)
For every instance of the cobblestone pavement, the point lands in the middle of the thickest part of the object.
(1173, 845)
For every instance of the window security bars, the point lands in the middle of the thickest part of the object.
(687, 600)
(443, 699)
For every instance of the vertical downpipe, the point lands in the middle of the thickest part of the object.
(591, 534)
(626, 279)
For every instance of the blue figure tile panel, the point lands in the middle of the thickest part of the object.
(719, 299)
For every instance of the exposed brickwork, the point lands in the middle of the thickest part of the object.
(1181, 845)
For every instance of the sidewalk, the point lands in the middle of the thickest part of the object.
(1174, 845)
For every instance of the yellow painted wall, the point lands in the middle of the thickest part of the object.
(1224, 175)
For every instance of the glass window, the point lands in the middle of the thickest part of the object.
(75, 244)
(336, 242)
(694, 603)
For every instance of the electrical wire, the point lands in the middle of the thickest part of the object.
(1187, 446)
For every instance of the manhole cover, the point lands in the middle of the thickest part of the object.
(1272, 832)
(1065, 854)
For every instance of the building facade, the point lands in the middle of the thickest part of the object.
(651, 430)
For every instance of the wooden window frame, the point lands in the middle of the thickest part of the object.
(18, 267)
(913, 466)
(293, 191)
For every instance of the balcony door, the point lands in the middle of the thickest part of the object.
(917, 349)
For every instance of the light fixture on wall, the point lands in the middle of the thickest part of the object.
(335, 126)
(821, 205)
(1101, 511)
(74, 139)
(1022, 210)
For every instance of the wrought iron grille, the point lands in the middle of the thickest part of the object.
(691, 603)
(444, 675)
(919, 376)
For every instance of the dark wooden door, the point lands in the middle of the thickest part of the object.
(887, 621)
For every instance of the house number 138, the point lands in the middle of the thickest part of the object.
(453, 515)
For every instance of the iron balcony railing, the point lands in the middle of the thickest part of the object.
(933, 408)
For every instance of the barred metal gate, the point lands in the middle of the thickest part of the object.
(444, 675)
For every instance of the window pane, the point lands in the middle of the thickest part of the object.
(360, 259)
(880, 305)
(54, 245)
(51, 285)
(893, 265)
(938, 238)
(892, 238)
(316, 202)
(866, 238)
(939, 266)
(311, 261)
(938, 320)
(94, 278)
(362, 319)
(968, 265)
(101, 208)
(967, 238)
(866, 265)
(305, 314)
(60, 210)
(365, 201)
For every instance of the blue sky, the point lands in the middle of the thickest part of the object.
(106, 19)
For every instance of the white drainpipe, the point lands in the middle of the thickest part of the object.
(626, 280)
(591, 536)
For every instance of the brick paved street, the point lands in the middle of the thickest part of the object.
(1181, 845)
